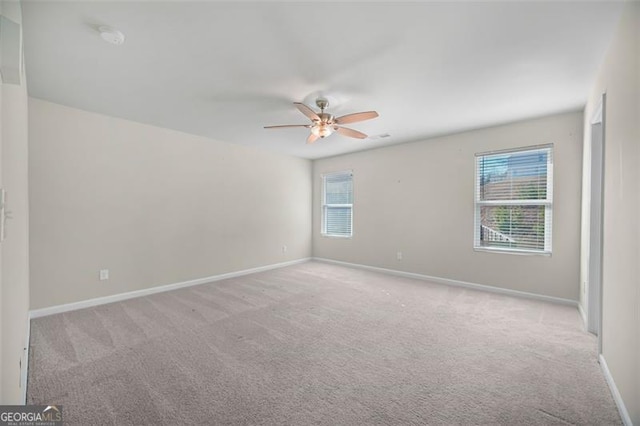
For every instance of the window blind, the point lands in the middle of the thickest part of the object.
(514, 200)
(337, 208)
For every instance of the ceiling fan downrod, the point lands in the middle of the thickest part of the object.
(322, 103)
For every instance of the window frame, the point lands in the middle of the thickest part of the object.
(547, 203)
(325, 206)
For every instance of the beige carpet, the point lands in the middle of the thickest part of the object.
(320, 344)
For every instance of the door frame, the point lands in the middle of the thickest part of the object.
(596, 214)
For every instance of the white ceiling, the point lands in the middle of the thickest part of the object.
(224, 70)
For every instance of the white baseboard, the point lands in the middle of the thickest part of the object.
(626, 419)
(37, 313)
(24, 368)
(474, 286)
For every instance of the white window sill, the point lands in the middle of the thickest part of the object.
(513, 251)
(340, 237)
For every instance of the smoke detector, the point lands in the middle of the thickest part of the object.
(111, 35)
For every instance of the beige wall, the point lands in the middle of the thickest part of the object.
(154, 206)
(14, 284)
(417, 198)
(619, 77)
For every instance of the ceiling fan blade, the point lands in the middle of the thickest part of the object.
(355, 117)
(312, 138)
(287, 125)
(350, 132)
(307, 111)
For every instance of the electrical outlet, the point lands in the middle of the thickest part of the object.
(284, 249)
(399, 255)
(104, 274)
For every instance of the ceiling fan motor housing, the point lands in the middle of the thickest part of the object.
(326, 118)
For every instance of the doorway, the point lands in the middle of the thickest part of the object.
(594, 290)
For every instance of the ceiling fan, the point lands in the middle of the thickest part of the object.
(324, 124)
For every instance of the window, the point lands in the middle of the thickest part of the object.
(514, 200)
(337, 204)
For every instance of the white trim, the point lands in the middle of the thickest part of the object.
(583, 315)
(602, 112)
(24, 370)
(626, 419)
(519, 149)
(447, 281)
(37, 313)
(596, 117)
(547, 203)
(525, 252)
(325, 206)
(341, 237)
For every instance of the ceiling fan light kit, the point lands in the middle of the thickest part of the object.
(324, 124)
(321, 129)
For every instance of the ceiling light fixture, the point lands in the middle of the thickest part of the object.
(111, 35)
(322, 130)
(324, 124)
